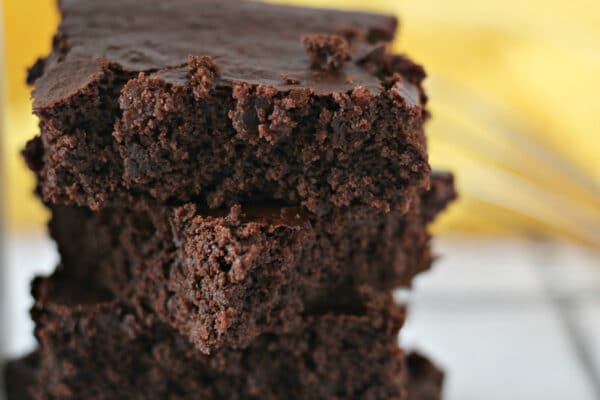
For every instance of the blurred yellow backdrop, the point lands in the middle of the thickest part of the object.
(513, 93)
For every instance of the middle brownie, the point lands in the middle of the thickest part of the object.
(223, 278)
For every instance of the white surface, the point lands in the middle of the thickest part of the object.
(499, 352)
(507, 319)
(26, 256)
(477, 267)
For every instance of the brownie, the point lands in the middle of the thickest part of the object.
(94, 347)
(21, 376)
(441, 193)
(224, 102)
(425, 380)
(222, 278)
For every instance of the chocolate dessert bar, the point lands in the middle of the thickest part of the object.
(93, 347)
(423, 380)
(224, 278)
(225, 102)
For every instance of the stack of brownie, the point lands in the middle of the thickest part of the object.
(236, 188)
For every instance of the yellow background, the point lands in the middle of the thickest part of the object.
(513, 87)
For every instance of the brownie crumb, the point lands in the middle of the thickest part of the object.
(33, 153)
(352, 34)
(60, 46)
(412, 71)
(327, 52)
(36, 70)
(290, 80)
(203, 76)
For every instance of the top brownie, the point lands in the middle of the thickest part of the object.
(225, 102)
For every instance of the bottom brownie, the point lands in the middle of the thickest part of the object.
(424, 379)
(21, 377)
(93, 347)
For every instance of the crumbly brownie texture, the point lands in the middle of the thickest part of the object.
(92, 347)
(223, 279)
(425, 380)
(279, 103)
(327, 51)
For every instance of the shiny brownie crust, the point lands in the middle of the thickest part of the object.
(323, 117)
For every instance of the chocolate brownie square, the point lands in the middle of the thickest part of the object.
(222, 102)
(424, 380)
(94, 347)
(223, 278)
